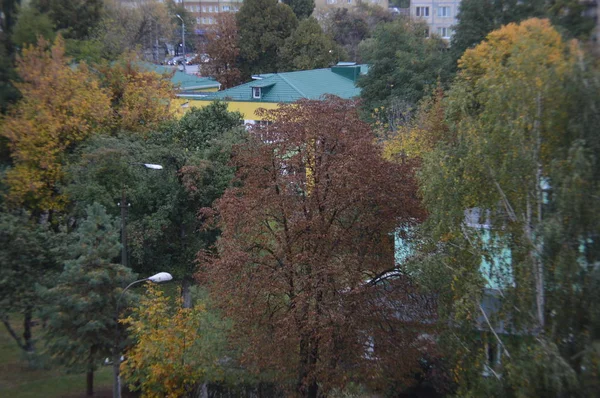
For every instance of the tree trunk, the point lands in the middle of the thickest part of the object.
(27, 340)
(90, 375)
(186, 294)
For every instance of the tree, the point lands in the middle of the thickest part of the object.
(74, 19)
(26, 256)
(519, 164)
(223, 52)
(30, 25)
(302, 8)
(477, 18)
(170, 356)
(147, 28)
(80, 312)
(308, 48)
(263, 27)
(61, 106)
(303, 232)
(163, 228)
(140, 99)
(405, 63)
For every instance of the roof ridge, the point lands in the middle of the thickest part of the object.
(292, 85)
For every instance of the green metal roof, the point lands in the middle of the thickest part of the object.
(292, 86)
(183, 80)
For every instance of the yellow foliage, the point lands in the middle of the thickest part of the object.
(61, 106)
(163, 362)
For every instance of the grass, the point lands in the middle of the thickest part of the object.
(19, 380)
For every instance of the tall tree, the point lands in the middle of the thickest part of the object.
(263, 27)
(302, 8)
(477, 18)
(405, 63)
(81, 307)
(520, 165)
(309, 48)
(30, 25)
(223, 52)
(26, 256)
(61, 106)
(162, 224)
(75, 19)
(302, 235)
(348, 29)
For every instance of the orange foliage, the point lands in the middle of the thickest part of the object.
(61, 106)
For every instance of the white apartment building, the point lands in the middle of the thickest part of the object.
(439, 15)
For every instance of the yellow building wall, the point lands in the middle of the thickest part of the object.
(246, 108)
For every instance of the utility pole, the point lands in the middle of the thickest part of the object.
(182, 39)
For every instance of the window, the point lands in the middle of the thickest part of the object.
(210, 21)
(210, 9)
(349, 1)
(422, 11)
(331, 1)
(225, 8)
(203, 21)
(198, 20)
(216, 8)
(256, 92)
(443, 12)
(203, 9)
(444, 32)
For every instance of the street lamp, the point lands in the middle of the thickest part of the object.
(157, 278)
(182, 39)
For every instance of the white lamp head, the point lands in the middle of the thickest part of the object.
(160, 277)
(153, 166)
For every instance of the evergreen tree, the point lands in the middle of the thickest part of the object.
(263, 27)
(81, 311)
(309, 48)
(302, 8)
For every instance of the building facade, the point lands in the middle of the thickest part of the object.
(440, 16)
(328, 4)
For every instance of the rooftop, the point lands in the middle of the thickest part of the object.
(284, 87)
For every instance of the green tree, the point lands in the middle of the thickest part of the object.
(80, 319)
(526, 168)
(309, 48)
(263, 27)
(74, 19)
(404, 64)
(302, 8)
(30, 25)
(27, 259)
(163, 228)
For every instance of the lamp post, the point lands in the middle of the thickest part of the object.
(182, 39)
(160, 277)
(157, 278)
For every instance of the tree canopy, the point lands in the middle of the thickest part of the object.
(301, 234)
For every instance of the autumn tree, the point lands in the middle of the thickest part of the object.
(140, 98)
(520, 158)
(263, 27)
(304, 240)
(223, 52)
(477, 18)
(170, 356)
(61, 106)
(309, 48)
